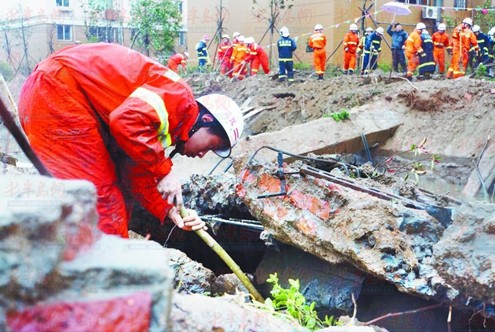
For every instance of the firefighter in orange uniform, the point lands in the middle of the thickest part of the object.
(440, 44)
(238, 58)
(351, 41)
(106, 113)
(413, 49)
(256, 57)
(317, 42)
(176, 60)
(224, 53)
(463, 39)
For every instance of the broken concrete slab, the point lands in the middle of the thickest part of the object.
(486, 172)
(325, 135)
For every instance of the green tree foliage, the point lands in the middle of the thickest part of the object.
(484, 16)
(156, 25)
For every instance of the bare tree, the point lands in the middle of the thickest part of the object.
(51, 31)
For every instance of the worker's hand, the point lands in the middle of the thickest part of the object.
(403, 47)
(189, 223)
(170, 189)
(346, 49)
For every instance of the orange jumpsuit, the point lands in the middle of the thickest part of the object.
(238, 58)
(105, 113)
(257, 57)
(462, 41)
(413, 47)
(224, 53)
(440, 43)
(317, 42)
(176, 60)
(351, 41)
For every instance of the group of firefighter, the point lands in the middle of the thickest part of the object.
(468, 46)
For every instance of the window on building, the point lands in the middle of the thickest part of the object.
(63, 3)
(182, 38)
(106, 34)
(64, 32)
(460, 4)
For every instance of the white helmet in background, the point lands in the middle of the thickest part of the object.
(425, 32)
(476, 28)
(186, 54)
(468, 20)
(353, 27)
(241, 39)
(442, 27)
(225, 36)
(249, 40)
(284, 32)
(379, 30)
(369, 29)
(318, 27)
(236, 34)
(420, 26)
(229, 116)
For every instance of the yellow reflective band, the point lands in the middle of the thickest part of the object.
(157, 103)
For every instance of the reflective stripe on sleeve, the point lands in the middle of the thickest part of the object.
(157, 103)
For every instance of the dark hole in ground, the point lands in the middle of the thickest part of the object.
(241, 243)
(378, 298)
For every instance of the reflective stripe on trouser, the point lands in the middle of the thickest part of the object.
(349, 61)
(260, 61)
(286, 69)
(319, 59)
(454, 69)
(412, 63)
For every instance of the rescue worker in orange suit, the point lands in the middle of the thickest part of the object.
(256, 57)
(224, 53)
(238, 58)
(440, 44)
(462, 41)
(106, 113)
(317, 42)
(413, 49)
(178, 59)
(351, 41)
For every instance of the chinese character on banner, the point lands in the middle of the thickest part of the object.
(57, 190)
(12, 189)
(192, 15)
(207, 16)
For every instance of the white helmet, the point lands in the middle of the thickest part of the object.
(369, 29)
(229, 116)
(186, 54)
(491, 31)
(353, 27)
(284, 31)
(318, 27)
(442, 27)
(468, 20)
(476, 28)
(249, 40)
(425, 32)
(379, 30)
(420, 26)
(225, 36)
(236, 34)
(241, 39)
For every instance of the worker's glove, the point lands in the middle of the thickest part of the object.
(346, 49)
(359, 51)
(403, 47)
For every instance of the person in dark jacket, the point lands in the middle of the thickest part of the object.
(202, 52)
(426, 62)
(399, 37)
(372, 48)
(483, 55)
(286, 46)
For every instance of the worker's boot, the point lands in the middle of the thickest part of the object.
(320, 77)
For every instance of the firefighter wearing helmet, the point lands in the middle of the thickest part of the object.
(286, 47)
(372, 49)
(202, 52)
(126, 120)
(414, 49)
(351, 41)
(224, 53)
(463, 40)
(399, 37)
(441, 44)
(176, 60)
(318, 42)
(483, 56)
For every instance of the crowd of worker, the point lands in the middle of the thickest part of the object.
(418, 50)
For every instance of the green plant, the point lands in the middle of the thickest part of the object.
(290, 304)
(385, 67)
(302, 66)
(481, 71)
(338, 116)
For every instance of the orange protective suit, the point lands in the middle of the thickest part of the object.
(224, 53)
(105, 113)
(440, 44)
(351, 41)
(317, 42)
(177, 60)
(239, 54)
(257, 57)
(463, 39)
(413, 47)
